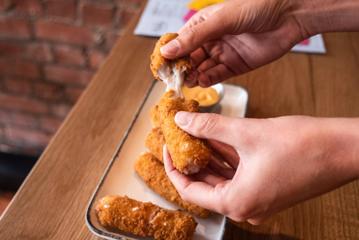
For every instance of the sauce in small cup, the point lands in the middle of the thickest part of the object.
(207, 98)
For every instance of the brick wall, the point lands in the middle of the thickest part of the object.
(49, 49)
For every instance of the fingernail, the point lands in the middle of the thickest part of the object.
(182, 119)
(170, 48)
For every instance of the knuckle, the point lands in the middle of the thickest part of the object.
(255, 221)
(205, 123)
(243, 212)
(238, 215)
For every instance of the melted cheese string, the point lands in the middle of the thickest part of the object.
(173, 78)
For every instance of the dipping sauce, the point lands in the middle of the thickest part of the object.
(204, 96)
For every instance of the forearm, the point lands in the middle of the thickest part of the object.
(318, 16)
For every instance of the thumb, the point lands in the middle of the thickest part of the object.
(208, 126)
(204, 28)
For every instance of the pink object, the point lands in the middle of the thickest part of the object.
(305, 42)
(189, 14)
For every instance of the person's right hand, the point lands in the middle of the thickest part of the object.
(278, 162)
(235, 37)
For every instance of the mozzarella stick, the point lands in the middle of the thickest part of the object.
(154, 143)
(153, 174)
(155, 117)
(189, 154)
(144, 219)
(159, 63)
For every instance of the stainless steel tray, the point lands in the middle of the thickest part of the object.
(121, 179)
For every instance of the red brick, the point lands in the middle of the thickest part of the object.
(70, 76)
(48, 91)
(50, 124)
(11, 49)
(32, 51)
(98, 14)
(19, 103)
(18, 119)
(62, 9)
(73, 93)
(28, 7)
(96, 58)
(38, 52)
(60, 110)
(130, 3)
(20, 86)
(69, 55)
(28, 137)
(19, 68)
(14, 28)
(125, 15)
(66, 33)
(5, 5)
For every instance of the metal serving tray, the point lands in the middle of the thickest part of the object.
(121, 179)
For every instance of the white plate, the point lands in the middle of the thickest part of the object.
(121, 179)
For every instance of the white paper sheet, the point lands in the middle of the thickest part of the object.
(315, 44)
(161, 16)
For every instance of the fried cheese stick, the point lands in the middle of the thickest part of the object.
(154, 142)
(153, 174)
(189, 154)
(172, 72)
(144, 219)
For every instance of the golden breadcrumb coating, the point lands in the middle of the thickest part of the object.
(155, 117)
(189, 154)
(144, 218)
(157, 61)
(153, 174)
(154, 142)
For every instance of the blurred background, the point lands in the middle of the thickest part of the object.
(49, 50)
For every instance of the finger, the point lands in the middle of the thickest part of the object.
(220, 167)
(198, 56)
(175, 176)
(192, 36)
(228, 153)
(203, 80)
(191, 79)
(208, 126)
(200, 16)
(227, 172)
(208, 176)
(207, 64)
(200, 193)
(214, 75)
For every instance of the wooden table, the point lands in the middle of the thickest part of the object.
(51, 203)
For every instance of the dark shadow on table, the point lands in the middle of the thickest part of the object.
(235, 232)
(14, 169)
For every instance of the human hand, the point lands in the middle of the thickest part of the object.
(235, 37)
(278, 162)
(238, 36)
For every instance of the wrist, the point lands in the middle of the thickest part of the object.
(318, 16)
(341, 139)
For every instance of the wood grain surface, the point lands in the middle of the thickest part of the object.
(51, 204)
